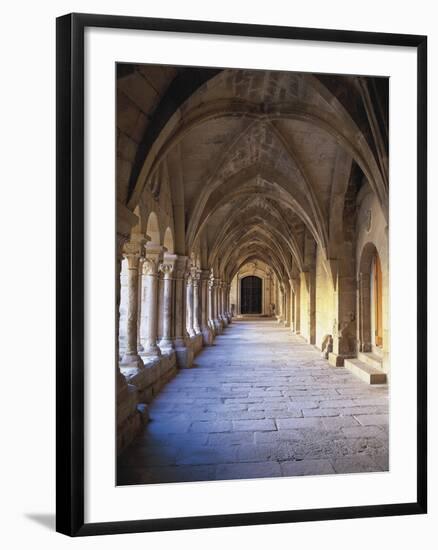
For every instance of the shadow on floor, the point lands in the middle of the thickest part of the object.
(46, 520)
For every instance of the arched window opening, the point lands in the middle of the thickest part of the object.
(168, 241)
(153, 229)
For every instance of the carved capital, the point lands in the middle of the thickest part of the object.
(132, 251)
(167, 267)
(151, 266)
(134, 246)
(153, 258)
(195, 274)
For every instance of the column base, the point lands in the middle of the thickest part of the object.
(218, 326)
(166, 345)
(207, 336)
(337, 360)
(196, 344)
(184, 357)
(224, 320)
(151, 351)
(132, 360)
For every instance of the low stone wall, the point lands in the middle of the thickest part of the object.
(143, 385)
(155, 374)
(196, 343)
(131, 415)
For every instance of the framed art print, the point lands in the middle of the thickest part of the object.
(241, 274)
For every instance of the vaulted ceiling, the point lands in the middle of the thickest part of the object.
(263, 158)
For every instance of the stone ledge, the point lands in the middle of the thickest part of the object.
(365, 372)
(196, 343)
(149, 380)
(371, 359)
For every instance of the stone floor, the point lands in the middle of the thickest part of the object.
(260, 403)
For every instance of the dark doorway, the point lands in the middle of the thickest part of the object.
(251, 295)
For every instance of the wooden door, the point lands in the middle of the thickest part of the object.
(251, 295)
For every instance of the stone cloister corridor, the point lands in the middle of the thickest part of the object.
(251, 273)
(261, 402)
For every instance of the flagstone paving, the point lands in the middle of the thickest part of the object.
(260, 402)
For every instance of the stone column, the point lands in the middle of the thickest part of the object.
(154, 255)
(283, 307)
(292, 305)
(129, 414)
(207, 334)
(287, 299)
(196, 275)
(189, 305)
(223, 302)
(227, 302)
(309, 257)
(121, 240)
(211, 304)
(344, 332)
(280, 317)
(144, 311)
(184, 354)
(132, 253)
(216, 319)
(122, 296)
(219, 303)
(140, 303)
(167, 268)
(220, 314)
(160, 306)
(297, 304)
(312, 306)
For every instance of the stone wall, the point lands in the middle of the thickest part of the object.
(372, 230)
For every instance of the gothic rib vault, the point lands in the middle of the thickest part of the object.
(225, 174)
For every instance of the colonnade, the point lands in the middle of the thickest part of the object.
(172, 306)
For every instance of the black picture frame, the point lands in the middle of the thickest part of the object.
(70, 273)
